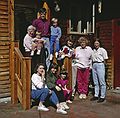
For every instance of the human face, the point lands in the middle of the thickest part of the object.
(31, 32)
(43, 15)
(83, 44)
(69, 43)
(40, 69)
(53, 70)
(63, 76)
(96, 44)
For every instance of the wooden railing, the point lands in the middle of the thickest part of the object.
(22, 83)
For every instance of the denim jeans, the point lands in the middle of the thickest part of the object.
(40, 94)
(53, 42)
(98, 72)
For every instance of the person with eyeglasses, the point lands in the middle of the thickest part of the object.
(41, 92)
(42, 25)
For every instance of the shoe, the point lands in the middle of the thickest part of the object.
(65, 106)
(101, 100)
(51, 56)
(32, 53)
(56, 54)
(69, 101)
(60, 110)
(94, 98)
(43, 108)
(72, 97)
(38, 52)
(81, 96)
(84, 96)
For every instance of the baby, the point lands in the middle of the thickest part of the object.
(37, 43)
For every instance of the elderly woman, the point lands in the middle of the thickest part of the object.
(83, 55)
(51, 83)
(41, 92)
(98, 57)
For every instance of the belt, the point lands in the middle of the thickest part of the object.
(98, 62)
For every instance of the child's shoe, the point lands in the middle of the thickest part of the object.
(32, 53)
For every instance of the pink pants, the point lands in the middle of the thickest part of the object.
(83, 80)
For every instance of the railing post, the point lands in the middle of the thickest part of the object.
(26, 83)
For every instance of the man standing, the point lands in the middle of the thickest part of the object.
(43, 25)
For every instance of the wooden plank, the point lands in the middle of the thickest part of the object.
(5, 52)
(4, 90)
(4, 73)
(4, 34)
(4, 20)
(4, 8)
(3, 29)
(5, 82)
(6, 77)
(4, 61)
(4, 69)
(4, 56)
(4, 47)
(3, 95)
(5, 86)
(4, 65)
(4, 39)
(3, 12)
(3, 3)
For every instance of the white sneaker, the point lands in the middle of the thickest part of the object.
(51, 56)
(43, 108)
(81, 96)
(56, 54)
(38, 52)
(69, 101)
(84, 96)
(66, 106)
(32, 53)
(61, 111)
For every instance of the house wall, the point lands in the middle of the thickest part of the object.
(4, 50)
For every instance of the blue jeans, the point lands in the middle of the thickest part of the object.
(52, 42)
(98, 72)
(40, 94)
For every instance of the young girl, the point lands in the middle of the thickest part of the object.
(54, 39)
(62, 82)
(41, 92)
(37, 44)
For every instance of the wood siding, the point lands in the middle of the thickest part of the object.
(5, 86)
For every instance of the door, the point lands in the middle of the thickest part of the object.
(116, 50)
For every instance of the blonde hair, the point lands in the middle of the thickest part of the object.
(83, 39)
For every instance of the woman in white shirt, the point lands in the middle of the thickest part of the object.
(98, 70)
(40, 91)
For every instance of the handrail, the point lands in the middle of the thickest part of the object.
(22, 81)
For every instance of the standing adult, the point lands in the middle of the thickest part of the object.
(43, 26)
(83, 55)
(98, 70)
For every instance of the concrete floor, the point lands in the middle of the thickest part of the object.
(78, 109)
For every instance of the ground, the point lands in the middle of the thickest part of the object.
(78, 109)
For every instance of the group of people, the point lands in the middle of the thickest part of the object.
(41, 42)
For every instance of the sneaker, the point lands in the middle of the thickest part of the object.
(51, 56)
(101, 100)
(61, 111)
(81, 96)
(94, 98)
(69, 101)
(56, 54)
(84, 96)
(32, 53)
(43, 108)
(66, 106)
(38, 52)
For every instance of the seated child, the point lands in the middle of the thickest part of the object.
(62, 82)
(37, 44)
